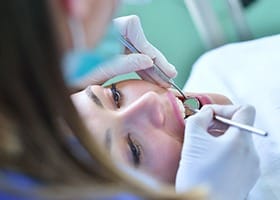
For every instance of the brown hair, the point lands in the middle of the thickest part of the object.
(36, 111)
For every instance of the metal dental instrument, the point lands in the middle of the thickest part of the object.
(158, 71)
(237, 124)
(164, 77)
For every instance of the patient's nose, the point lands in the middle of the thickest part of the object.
(147, 109)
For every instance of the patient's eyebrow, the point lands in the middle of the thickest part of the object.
(93, 97)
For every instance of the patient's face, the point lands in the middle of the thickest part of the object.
(142, 127)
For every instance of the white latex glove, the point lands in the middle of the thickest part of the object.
(130, 27)
(227, 165)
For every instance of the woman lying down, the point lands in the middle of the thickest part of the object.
(143, 126)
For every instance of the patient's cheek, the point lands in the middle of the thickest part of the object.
(219, 99)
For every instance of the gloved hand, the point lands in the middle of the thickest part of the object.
(130, 27)
(227, 165)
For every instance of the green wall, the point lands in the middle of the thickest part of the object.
(168, 26)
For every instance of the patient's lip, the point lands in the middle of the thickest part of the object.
(176, 109)
(203, 99)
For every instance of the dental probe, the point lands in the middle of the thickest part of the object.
(164, 77)
(157, 69)
(236, 124)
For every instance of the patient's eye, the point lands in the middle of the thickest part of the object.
(135, 151)
(116, 95)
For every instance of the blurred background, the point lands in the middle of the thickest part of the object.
(184, 29)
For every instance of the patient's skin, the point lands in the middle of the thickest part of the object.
(146, 131)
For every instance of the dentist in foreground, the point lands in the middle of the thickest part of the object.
(91, 54)
(206, 160)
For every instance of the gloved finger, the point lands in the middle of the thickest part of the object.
(242, 114)
(245, 114)
(237, 139)
(200, 120)
(222, 110)
(131, 63)
(130, 27)
(151, 76)
(120, 65)
(162, 62)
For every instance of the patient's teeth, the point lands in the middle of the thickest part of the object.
(181, 107)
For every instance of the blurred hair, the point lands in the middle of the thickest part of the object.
(36, 114)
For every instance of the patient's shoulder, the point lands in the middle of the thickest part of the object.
(264, 44)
